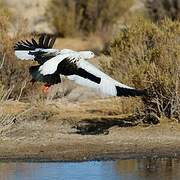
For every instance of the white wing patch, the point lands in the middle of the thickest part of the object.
(95, 71)
(50, 66)
(107, 84)
(63, 51)
(106, 87)
(24, 55)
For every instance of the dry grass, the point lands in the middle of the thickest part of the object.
(70, 112)
(13, 73)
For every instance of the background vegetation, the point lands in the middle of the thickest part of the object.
(161, 9)
(147, 56)
(144, 53)
(72, 17)
(13, 74)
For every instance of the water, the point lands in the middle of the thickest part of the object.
(134, 169)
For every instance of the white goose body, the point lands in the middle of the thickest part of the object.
(72, 64)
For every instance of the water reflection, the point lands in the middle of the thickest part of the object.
(150, 168)
(134, 169)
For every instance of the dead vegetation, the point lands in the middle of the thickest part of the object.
(13, 73)
(93, 117)
(147, 56)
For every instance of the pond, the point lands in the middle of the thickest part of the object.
(132, 169)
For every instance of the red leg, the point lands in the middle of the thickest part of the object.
(45, 88)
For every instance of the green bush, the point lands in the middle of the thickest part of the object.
(146, 55)
(160, 9)
(71, 17)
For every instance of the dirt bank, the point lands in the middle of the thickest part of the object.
(36, 133)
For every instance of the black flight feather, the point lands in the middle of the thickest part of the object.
(44, 42)
(51, 42)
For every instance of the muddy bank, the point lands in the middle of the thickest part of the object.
(56, 145)
(47, 133)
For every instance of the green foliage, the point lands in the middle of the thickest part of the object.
(146, 55)
(160, 9)
(71, 17)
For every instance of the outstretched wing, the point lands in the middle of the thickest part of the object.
(86, 74)
(40, 51)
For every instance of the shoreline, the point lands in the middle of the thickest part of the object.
(107, 157)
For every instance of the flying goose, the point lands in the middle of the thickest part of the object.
(54, 62)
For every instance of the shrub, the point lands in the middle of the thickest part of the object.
(13, 74)
(74, 16)
(145, 55)
(160, 9)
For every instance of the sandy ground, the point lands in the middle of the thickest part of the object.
(40, 136)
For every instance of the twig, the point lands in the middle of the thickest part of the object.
(22, 88)
(1, 66)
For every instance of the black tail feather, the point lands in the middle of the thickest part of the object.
(130, 92)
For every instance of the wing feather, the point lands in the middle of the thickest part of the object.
(46, 41)
(51, 42)
(34, 42)
(40, 51)
(41, 39)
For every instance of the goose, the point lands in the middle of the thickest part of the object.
(52, 63)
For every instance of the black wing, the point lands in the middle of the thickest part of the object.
(45, 42)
